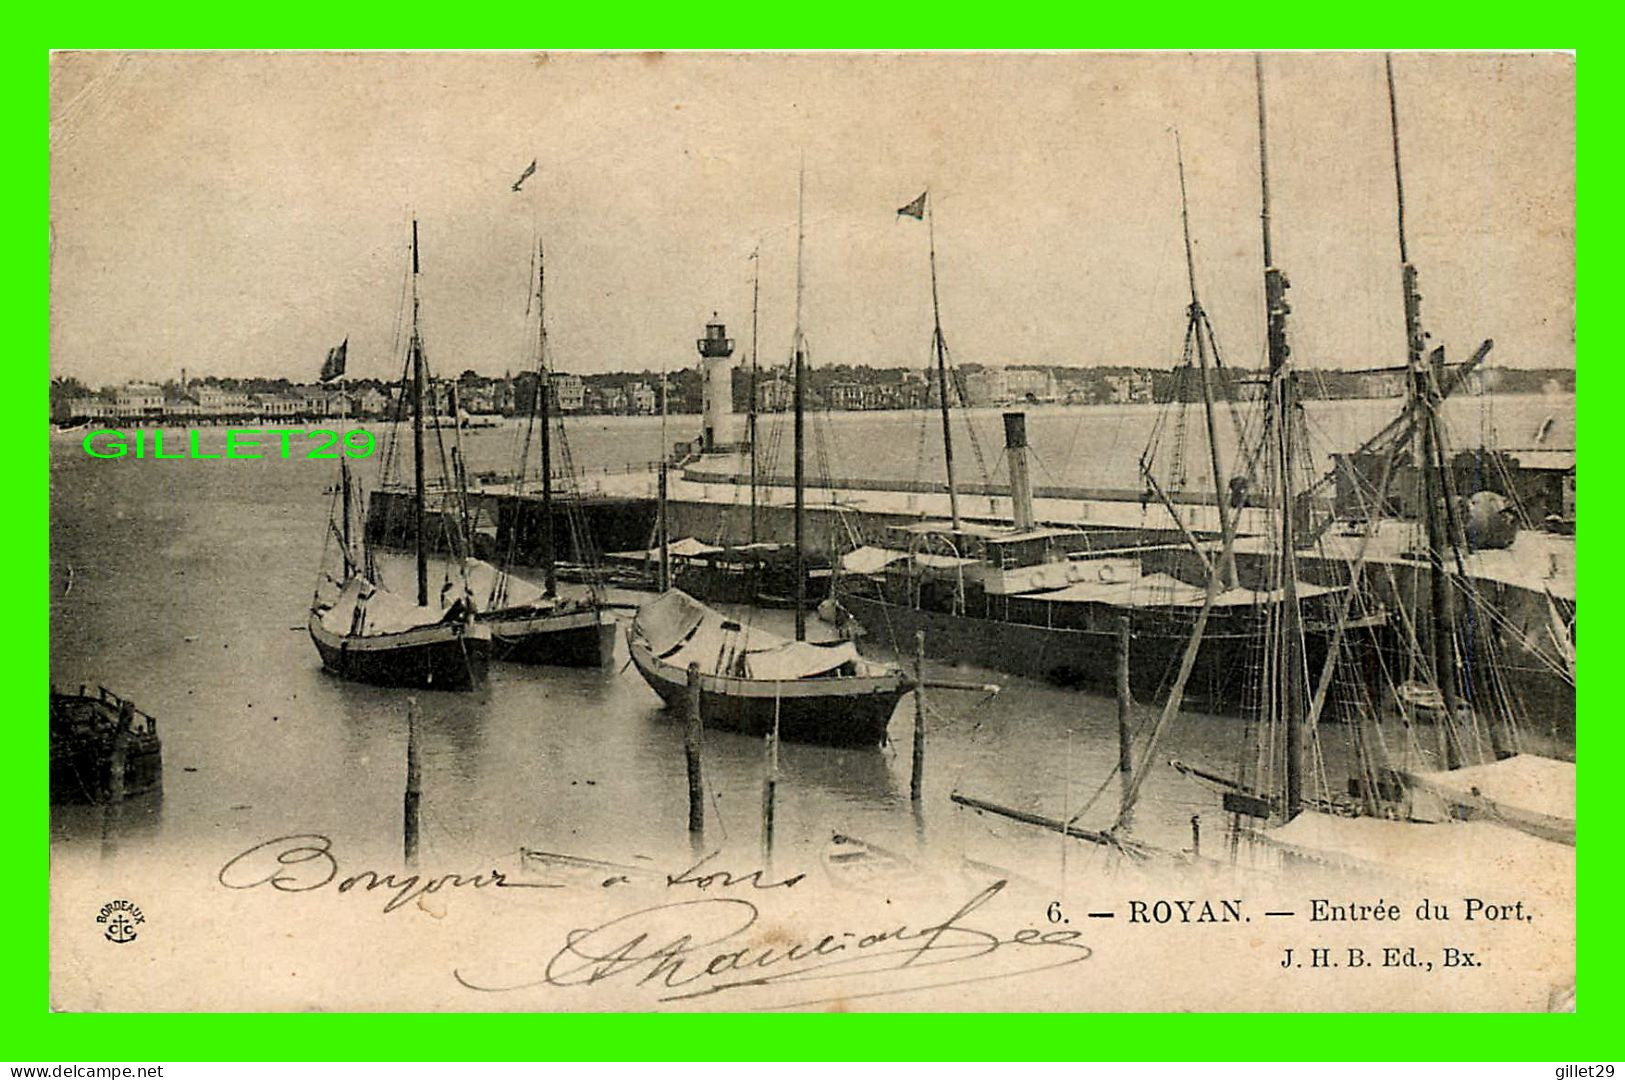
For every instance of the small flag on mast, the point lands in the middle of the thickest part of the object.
(526, 175)
(915, 209)
(333, 366)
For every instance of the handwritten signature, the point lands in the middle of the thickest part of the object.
(695, 948)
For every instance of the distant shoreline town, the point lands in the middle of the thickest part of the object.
(208, 399)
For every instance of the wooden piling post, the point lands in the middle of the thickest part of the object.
(916, 782)
(665, 533)
(692, 734)
(414, 784)
(1125, 748)
(769, 791)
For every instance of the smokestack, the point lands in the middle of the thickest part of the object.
(1021, 489)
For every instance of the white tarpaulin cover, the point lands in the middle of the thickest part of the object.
(684, 548)
(384, 612)
(869, 560)
(1523, 786)
(482, 580)
(680, 630)
(1165, 590)
(1475, 851)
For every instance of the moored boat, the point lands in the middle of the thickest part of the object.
(368, 634)
(529, 627)
(755, 682)
(103, 749)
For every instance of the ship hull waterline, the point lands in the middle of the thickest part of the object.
(447, 656)
(851, 711)
(1223, 678)
(583, 639)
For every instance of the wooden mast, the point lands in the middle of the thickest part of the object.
(544, 399)
(942, 365)
(800, 421)
(1287, 698)
(750, 408)
(1427, 397)
(417, 435)
(1199, 329)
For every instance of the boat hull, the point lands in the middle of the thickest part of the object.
(582, 638)
(98, 757)
(445, 656)
(1223, 677)
(850, 711)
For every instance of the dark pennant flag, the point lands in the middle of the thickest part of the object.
(915, 209)
(529, 169)
(333, 366)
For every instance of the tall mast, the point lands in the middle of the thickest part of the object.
(344, 484)
(800, 402)
(417, 434)
(1427, 397)
(1288, 698)
(1198, 328)
(750, 408)
(544, 399)
(942, 365)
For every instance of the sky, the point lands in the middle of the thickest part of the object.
(239, 213)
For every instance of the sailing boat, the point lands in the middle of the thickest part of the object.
(1379, 825)
(755, 682)
(1047, 602)
(1530, 793)
(367, 633)
(531, 625)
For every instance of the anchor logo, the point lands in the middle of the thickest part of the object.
(121, 928)
(121, 918)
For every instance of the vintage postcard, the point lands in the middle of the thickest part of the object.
(751, 531)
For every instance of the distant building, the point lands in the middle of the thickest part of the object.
(91, 408)
(279, 405)
(1031, 384)
(643, 399)
(1133, 387)
(136, 398)
(774, 395)
(570, 392)
(371, 403)
(846, 395)
(216, 401)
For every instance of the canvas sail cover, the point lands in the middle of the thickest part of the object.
(382, 612)
(869, 560)
(680, 630)
(1165, 590)
(685, 548)
(1527, 791)
(482, 583)
(1464, 851)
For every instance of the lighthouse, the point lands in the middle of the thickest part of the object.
(716, 347)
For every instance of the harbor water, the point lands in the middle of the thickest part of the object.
(184, 585)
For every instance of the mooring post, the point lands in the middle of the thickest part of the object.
(691, 751)
(665, 533)
(917, 777)
(1196, 834)
(414, 784)
(120, 758)
(1125, 748)
(768, 791)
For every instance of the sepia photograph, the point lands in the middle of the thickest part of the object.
(775, 531)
